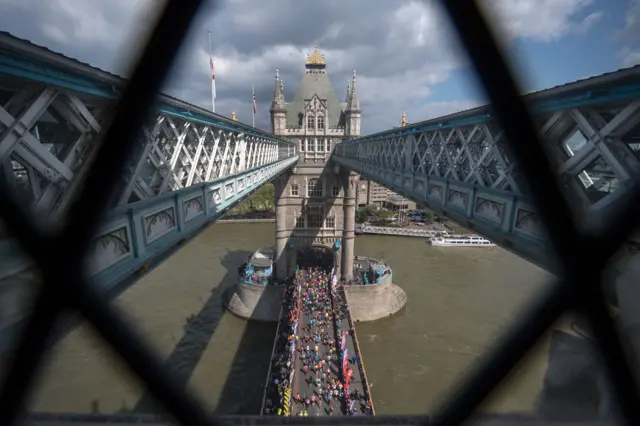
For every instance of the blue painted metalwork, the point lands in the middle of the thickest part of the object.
(125, 246)
(459, 165)
(504, 232)
(484, 114)
(149, 248)
(109, 87)
(43, 73)
(212, 120)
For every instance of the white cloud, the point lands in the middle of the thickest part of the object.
(630, 35)
(630, 57)
(541, 20)
(631, 29)
(402, 49)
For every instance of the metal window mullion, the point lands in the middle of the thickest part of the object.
(552, 207)
(145, 81)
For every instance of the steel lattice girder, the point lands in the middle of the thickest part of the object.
(461, 167)
(47, 133)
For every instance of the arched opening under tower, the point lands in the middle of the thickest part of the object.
(320, 256)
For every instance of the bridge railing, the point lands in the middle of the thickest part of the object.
(360, 362)
(267, 383)
(135, 237)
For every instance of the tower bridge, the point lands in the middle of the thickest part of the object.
(190, 166)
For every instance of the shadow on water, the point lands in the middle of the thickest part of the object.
(199, 329)
(244, 387)
(575, 388)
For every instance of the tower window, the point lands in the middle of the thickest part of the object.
(310, 123)
(330, 221)
(336, 190)
(320, 123)
(314, 188)
(300, 221)
(314, 218)
(295, 189)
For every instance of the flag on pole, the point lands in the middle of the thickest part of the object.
(255, 106)
(213, 78)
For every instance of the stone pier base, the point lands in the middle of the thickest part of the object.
(256, 302)
(374, 301)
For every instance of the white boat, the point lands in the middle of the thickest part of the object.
(469, 240)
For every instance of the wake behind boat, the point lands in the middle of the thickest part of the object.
(464, 240)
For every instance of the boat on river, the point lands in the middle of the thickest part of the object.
(465, 240)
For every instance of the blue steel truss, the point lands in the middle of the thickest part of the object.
(182, 150)
(460, 166)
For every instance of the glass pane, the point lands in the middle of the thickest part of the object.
(574, 143)
(193, 309)
(459, 302)
(83, 375)
(19, 284)
(598, 179)
(561, 382)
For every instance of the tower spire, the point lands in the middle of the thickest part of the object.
(278, 94)
(315, 61)
(348, 92)
(404, 121)
(352, 97)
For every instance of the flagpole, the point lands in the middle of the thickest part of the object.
(213, 79)
(253, 104)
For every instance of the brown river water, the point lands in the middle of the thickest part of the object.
(460, 302)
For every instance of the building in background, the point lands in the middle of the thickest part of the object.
(398, 203)
(370, 192)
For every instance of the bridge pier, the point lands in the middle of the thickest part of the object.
(282, 235)
(348, 233)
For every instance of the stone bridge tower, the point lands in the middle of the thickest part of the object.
(316, 202)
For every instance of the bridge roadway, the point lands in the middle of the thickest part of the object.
(307, 328)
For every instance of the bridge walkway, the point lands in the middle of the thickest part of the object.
(317, 307)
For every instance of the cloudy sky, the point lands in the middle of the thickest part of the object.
(404, 51)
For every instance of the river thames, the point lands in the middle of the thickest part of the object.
(460, 302)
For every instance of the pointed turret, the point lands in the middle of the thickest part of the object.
(277, 110)
(352, 99)
(352, 111)
(346, 101)
(278, 94)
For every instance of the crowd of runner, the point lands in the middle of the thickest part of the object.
(310, 370)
